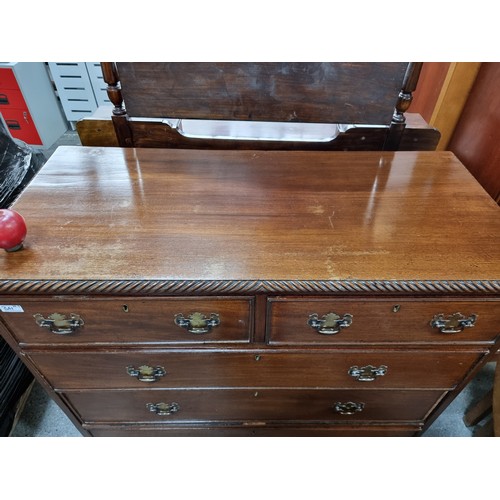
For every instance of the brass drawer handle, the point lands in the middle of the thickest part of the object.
(146, 373)
(197, 323)
(59, 324)
(348, 408)
(367, 373)
(454, 323)
(163, 409)
(330, 324)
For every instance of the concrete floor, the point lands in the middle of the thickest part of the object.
(42, 417)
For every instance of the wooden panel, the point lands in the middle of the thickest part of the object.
(429, 87)
(256, 368)
(452, 99)
(98, 130)
(132, 321)
(243, 405)
(476, 138)
(374, 321)
(297, 92)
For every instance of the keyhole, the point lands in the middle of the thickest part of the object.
(396, 308)
(125, 308)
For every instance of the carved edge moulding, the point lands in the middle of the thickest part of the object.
(191, 287)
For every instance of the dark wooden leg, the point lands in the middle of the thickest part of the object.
(480, 410)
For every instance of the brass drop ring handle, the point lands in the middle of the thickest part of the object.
(348, 408)
(146, 373)
(329, 324)
(367, 373)
(197, 323)
(454, 323)
(59, 324)
(163, 409)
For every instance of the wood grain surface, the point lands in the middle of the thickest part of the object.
(135, 214)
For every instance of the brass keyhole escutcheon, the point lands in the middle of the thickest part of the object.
(396, 308)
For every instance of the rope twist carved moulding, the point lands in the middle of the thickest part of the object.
(170, 287)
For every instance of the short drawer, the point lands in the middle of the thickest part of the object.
(21, 125)
(7, 79)
(247, 405)
(12, 98)
(131, 321)
(231, 369)
(327, 321)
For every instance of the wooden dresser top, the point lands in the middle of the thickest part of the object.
(273, 220)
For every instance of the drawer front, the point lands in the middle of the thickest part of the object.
(208, 369)
(131, 321)
(7, 79)
(302, 321)
(21, 125)
(249, 405)
(258, 429)
(11, 98)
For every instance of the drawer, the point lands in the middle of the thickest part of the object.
(12, 98)
(7, 79)
(238, 405)
(207, 369)
(131, 321)
(21, 125)
(377, 321)
(257, 429)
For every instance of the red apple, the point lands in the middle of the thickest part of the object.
(12, 230)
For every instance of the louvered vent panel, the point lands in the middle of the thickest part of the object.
(98, 84)
(74, 89)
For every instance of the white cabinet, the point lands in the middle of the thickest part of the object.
(80, 86)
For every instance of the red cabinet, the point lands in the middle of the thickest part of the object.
(15, 110)
(28, 104)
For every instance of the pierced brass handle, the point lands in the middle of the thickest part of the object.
(367, 373)
(454, 323)
(146, 373)
(348, 408)
(330, 324)
(59, 324)
(197, 323)
(163, 409)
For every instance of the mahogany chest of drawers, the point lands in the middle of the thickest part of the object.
(189, 293)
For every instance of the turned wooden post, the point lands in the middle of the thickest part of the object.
(120, 117)
(405, 97)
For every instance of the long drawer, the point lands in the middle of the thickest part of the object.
(205, 369)
(130, 321)
(249, 405)
(328, 321)
(257, 429)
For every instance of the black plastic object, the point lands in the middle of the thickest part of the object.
(18, 165)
